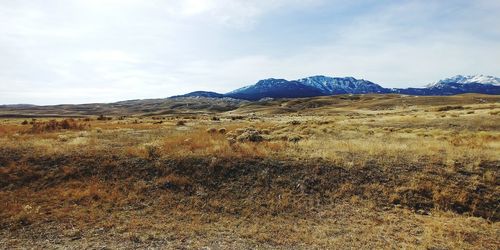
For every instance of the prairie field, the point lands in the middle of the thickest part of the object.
(349, 171)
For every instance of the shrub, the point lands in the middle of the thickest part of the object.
(174, 182)
(153, 152)
(222, 131)
(25, 122)
(181, 123)
(62, 138)
(265, 132)
(239, 131)
(251, 135)
(104, 118)
(448, 108)
(212, 130)
(53, 125)
(239, 117)
(231, 141)
(294, 138)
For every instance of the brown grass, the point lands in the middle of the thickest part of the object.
(54, 125)
(334, 178)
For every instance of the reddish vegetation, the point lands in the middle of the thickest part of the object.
(54, 125)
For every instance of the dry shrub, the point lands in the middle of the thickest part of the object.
(181, 123)
(104, 118)
(87, 193)
(9, 129)
(265, 131)
(448, 108)
(153, 152)
(250, 135)
(174, 182)
(294, 138)
(18, 174)
(239, 117)
(239, 131)
(54, 125)
(212, 130)
(25, 215)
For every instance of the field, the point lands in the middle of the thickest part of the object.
(348, 171)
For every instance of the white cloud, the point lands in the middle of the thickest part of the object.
(109, 50)
(193, 7)
(101, 56)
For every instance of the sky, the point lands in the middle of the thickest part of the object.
(83, 51)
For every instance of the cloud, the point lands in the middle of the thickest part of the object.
(236, 13)
(114, 56)
(194, 7)
(108, 50)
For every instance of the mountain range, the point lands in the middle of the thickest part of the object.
(324, 85)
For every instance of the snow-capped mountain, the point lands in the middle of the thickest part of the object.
(458, 85)
(342, 85)
(306, 87)
(482, 79)
(324, 85)
(275, 88)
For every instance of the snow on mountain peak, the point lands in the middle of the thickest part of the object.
(339, 85)
(483, 79)
(324, 85)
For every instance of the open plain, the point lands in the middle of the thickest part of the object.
(346, 171)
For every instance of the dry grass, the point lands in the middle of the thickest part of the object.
(362, 177)
(54, 125)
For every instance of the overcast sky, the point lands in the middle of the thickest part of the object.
(79, 51)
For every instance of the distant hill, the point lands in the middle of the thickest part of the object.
(208, 94)
(229, 106)
(180, 105)
(212, 102)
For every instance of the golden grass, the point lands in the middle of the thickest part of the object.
(401, 178)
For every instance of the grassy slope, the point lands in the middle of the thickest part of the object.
(371, 174)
